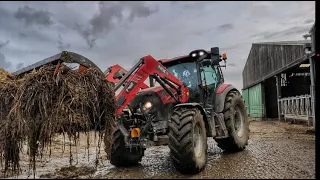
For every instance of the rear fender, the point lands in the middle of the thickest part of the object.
(209, 125)
(221, 94)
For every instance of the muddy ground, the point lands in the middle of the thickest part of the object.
(275, 150)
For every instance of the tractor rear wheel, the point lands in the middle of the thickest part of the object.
(188, 140)
(121, 156)
(237, 124)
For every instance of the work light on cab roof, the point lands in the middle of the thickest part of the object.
(198, 53)
(209, 57)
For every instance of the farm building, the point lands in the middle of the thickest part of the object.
(279, 80)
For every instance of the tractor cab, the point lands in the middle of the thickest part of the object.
(200, 71)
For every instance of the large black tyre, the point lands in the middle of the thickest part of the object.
(237, 124)
(122, 156)
(188, 140)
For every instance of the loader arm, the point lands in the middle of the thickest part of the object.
(116, 72)
(134, 79)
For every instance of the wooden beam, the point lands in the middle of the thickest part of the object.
(278, 83)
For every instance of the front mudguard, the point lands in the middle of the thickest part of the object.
(221, 97)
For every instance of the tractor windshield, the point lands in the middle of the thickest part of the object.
(186, 73)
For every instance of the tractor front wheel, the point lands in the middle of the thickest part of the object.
(188, 140)
(236, 119)
(121, 156)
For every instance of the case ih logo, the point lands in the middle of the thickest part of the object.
(162, 69)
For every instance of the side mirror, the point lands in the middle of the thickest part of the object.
(215, 51)
(215, 55)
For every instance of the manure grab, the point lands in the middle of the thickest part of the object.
(42, 103)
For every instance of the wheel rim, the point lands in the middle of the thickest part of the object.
(197, 141)
(238, 121)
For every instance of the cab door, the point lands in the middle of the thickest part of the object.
(210, 78)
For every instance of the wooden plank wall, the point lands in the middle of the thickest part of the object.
(265, 59)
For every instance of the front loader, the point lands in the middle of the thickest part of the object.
(189, 104)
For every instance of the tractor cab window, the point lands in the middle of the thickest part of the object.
(186, 73)
(210, 75)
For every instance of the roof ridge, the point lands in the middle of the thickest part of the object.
(296, 42)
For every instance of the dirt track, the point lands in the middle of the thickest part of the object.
(275, 150)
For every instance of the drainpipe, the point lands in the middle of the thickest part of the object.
(312, 89)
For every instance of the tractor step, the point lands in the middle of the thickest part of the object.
(220, 126)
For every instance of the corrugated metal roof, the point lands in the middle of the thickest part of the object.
(299, 42)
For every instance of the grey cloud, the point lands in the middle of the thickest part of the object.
(19, 66)
(232, 64)
(22, 35)
(308, 21)
(287, 32)
(261, 9)
(86, 34)
(61, 45)
(3, 13)
(3, 44)
(95, 26)
(202, 31)
(296, 30)
(228, 48)
(3, 63)
(195, 6)
(32, 16)
(226, 27)
(139, 9)
(103, 22)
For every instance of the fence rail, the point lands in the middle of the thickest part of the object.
(298, 107)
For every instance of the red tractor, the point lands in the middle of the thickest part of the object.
(191, 104)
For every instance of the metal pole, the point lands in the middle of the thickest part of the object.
(278, 94)
(312, 90)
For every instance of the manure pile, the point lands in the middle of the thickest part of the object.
(39, 105)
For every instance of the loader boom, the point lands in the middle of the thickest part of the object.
(116, 72)
(134, 79)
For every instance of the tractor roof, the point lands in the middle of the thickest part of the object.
(175, 58)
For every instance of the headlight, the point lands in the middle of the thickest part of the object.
(201, 53)
(193, 54)
(147, 105)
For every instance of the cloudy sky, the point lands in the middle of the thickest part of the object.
(122, 32)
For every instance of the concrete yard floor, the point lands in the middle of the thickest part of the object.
(275, 150)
